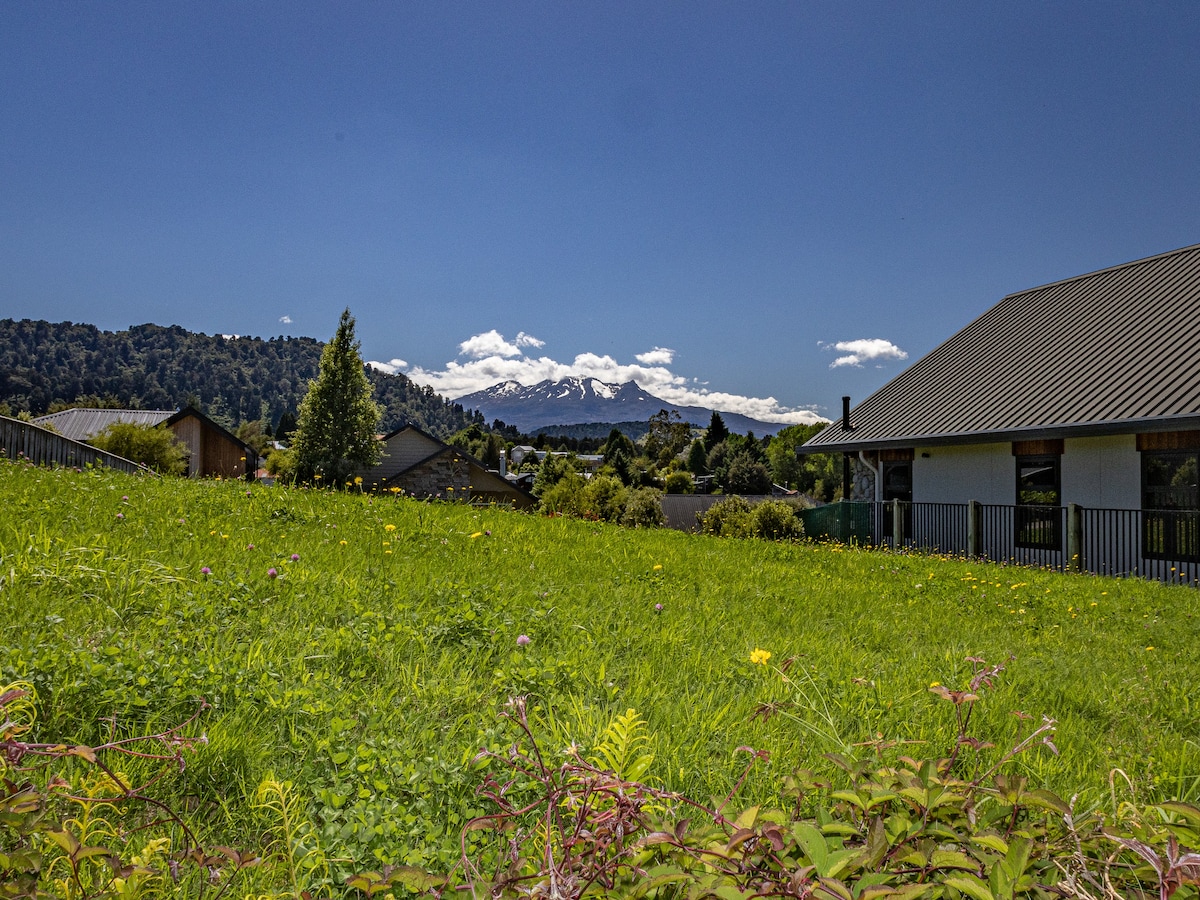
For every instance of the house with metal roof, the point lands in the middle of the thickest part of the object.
(212, 450)
(1085, 391)
(422, 466)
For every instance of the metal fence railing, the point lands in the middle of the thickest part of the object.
(1158, 544)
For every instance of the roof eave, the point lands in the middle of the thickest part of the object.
(1189, 422)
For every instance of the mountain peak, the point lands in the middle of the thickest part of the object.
(577, 400)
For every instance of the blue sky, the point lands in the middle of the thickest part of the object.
(756, 206)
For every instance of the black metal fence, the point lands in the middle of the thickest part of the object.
(1159, 544)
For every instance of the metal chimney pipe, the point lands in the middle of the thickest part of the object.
(845, 414)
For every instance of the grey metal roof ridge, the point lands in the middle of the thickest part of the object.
(1106, 269)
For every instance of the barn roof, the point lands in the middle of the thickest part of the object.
(79, 424)
(1110, 352)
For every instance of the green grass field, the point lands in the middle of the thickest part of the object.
(361, 649)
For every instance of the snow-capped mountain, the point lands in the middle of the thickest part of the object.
(576, 401)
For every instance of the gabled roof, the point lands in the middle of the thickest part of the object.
(190, 412)
(430, 448)
(79, 424)
(1115, 351)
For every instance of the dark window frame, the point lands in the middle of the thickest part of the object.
(1038, 525)
(1170, 516)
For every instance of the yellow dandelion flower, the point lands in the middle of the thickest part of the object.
(343, 543)
(759, 657)
(658, 567)
(358, 479)
(389, 527)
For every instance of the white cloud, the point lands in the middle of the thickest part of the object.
(495, 359)
(864, 350)
(286, 320)
(491, 343)
(659, 356)
(391, 367)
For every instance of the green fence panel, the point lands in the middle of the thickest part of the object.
(843, 521)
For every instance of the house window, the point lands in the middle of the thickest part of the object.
(1171, 505)
(897, 480)
(1038, 518)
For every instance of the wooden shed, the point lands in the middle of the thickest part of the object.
(212, 450)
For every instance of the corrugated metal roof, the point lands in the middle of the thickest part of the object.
(1108, 352)
(81, 424)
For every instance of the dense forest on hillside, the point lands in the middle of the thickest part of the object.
(593, 433)
(233, 380)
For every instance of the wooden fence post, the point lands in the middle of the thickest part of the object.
(1074, 561)
(897, 524)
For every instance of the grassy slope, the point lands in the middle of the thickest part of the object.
(374, 665)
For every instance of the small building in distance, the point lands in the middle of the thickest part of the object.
(212, 450)
(423, 467)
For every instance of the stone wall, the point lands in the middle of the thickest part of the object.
(862, 481)
(435, 478)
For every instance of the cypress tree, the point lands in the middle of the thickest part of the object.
(716, 433)
(335, 431)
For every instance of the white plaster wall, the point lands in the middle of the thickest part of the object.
(983, 472)
(1102, 472)
(1097, 472)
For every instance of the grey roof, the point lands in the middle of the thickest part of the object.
(1111, 352)
(81, 424)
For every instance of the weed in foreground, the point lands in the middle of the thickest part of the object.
(907, 828)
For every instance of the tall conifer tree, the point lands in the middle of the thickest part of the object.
(335, 432)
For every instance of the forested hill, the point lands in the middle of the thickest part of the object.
(233, 380)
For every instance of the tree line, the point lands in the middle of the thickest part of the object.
(47, 366)
(322, 398)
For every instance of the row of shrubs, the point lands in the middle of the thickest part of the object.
(771, 520)
(604, 498)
